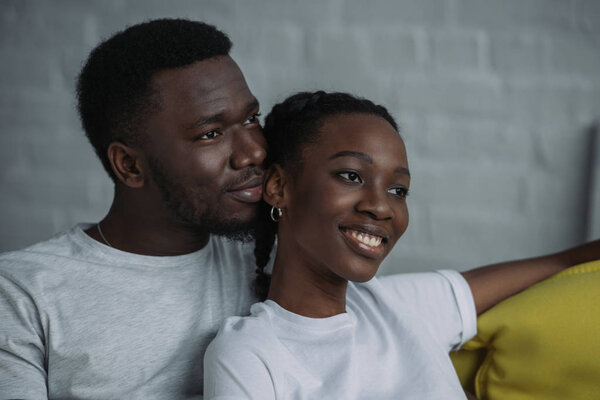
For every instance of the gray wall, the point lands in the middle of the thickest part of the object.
(495, 100)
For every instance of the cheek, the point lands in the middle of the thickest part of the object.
(315, 213)
(401, 219)
(204, 167)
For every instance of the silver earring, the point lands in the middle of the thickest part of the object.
(276, 213)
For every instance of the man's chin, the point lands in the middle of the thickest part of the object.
(243, 231)
(244, 237)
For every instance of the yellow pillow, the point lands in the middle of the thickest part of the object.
(543, 343)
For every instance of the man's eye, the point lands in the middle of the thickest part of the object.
(399, 191)
(253, 119)
(209, 135)
(350, 176)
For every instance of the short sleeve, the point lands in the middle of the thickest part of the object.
(22, 373)
(233, 371)
(441, 299)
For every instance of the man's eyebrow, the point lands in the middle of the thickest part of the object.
(254, 104)
(208, 120)
(367, 158)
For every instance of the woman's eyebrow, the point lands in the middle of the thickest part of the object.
(357, 154)
(367, 158)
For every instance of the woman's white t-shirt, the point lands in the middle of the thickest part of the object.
(392, 343)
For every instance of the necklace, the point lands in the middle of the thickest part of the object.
(102, 235)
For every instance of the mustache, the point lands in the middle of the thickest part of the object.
(246, 175)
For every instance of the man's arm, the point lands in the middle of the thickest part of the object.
(494, 283)
(22, 373)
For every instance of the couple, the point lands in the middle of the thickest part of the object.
(126, 308)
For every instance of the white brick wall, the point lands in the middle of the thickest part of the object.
(494, 99)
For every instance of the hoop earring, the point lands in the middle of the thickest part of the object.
(276, 213)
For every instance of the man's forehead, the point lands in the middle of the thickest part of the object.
(209, 74)
(216, 83)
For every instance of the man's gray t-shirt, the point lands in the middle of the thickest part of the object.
(81, 320)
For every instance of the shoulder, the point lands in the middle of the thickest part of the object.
(41, 254)
(426, 286)
(253, 334)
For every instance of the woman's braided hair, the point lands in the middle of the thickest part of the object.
(289, 128)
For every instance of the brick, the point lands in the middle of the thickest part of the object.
(447, 139)
(337, 50)
(273, 46)
(484, 238)
(307, 13)
(17, 222)
(546, 15)
(473, 186)
(523, 54)
(561, 151)
(455, 50)
(558, 196)
(392, 50)
(545, 102)
(472, 96)
(25, 66)
(492, 98)
(577, 54)
(396, 13)
(588, 15)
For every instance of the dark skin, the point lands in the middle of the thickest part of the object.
(493, 283)
(315, 260)
(206, 138)
(352, 182)
(313, 265)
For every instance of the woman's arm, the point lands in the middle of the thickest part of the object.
(493, 283)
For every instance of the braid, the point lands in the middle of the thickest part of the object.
(265, 233)
(289, 128)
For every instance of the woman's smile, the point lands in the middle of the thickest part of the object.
(366, 244)
(354, 181)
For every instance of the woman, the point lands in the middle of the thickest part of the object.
(337, 184)
(336, 188)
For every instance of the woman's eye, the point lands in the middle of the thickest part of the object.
(253, 119)
(399, 191)
(209, 135)
(350, 176)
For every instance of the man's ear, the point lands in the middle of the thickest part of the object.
(126, 164)
(273, 187)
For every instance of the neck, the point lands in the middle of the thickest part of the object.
(302, 289)
(136, 226)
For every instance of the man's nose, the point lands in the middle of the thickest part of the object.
(249, 149)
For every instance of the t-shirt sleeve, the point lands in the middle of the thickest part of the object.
(22, 372)
(233, 371)
(441, 299)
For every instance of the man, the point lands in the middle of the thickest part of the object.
(126, 307)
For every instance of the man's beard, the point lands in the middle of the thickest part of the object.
(213, 220)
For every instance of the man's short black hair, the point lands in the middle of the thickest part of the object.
(114, 89)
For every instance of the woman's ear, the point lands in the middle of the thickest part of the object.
(126, 164)
(273, 187)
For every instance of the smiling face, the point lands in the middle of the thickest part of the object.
(346, 208)
(205, 147)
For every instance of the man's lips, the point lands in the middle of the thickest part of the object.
(249, 191)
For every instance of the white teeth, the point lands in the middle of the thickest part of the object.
(369, 240)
